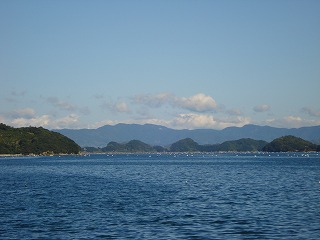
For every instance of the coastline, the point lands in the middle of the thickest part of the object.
(85, 154)
(41, 155)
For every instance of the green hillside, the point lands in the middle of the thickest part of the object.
(241, 145)
(34, 140)
(131, 146)
(290, 144)
(185, 145)
(283, 144)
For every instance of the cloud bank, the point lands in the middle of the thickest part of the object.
(194, 121)
(69, 121)
(167, 109)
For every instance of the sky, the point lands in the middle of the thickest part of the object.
(184, 64)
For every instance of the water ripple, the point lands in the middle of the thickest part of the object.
(138, 197)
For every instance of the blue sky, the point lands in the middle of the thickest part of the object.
(182, 64)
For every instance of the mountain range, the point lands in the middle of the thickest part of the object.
(163, 136)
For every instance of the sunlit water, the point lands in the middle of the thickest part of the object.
(201, 196)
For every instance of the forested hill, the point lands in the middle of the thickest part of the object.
(290, 144)
(241, 145)
(183, 145)
(34, 140)
(282, 144)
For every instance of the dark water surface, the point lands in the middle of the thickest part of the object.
(201, 196)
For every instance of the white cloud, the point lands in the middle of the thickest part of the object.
(197, 103)
(70, 121)
(295, 121)
(192, 121)
(121, 107)
(208, 121)
(262, 108)
(42, 121)
(292, 122)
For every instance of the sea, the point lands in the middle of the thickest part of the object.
(161, 196)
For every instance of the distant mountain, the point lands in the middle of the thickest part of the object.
(33, 140)
(290, 144)
(163, 136)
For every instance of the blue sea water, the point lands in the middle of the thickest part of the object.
(169, 196)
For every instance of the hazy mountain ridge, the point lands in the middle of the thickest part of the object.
(163, 136)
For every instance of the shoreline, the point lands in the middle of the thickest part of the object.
(41, 155)
(84, 154)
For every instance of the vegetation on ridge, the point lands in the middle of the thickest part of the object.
(34, 140)
(132, 146)
(185, 145)
(241, 145)
(290, 144)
